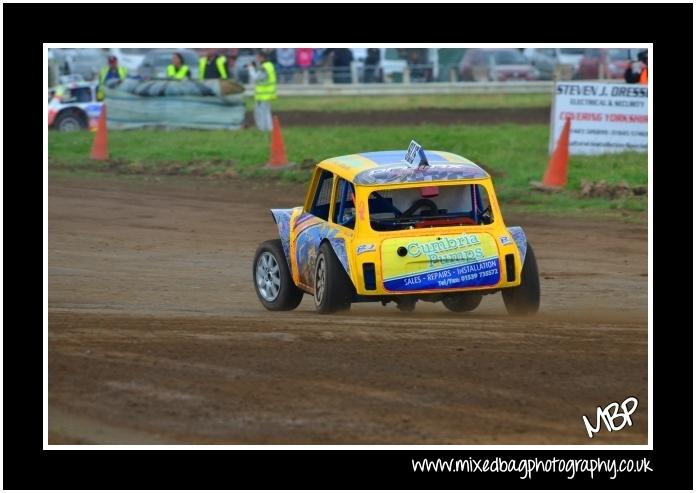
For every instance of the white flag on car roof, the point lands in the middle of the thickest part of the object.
(415, 149)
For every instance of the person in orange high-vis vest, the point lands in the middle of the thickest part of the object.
(637, 72)
(643, 57)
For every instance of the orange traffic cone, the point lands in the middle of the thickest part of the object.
(100, 147)
(278, 159)
(557, 172)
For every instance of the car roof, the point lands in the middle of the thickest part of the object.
(390, 167)
(74, 85)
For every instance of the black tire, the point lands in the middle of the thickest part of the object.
(69, 121)
(333, 290)
(280, 296)
(464, 302)
(524, 299)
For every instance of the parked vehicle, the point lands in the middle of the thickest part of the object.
(396, 226)
(73, 106)
(86, 62)
(155, 62)
(422, 62)
(483, 65)
(546, 59)
(610, 62)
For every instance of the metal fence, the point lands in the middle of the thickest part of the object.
(358, 89)
(358, 73)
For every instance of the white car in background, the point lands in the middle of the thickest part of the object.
(130, 58)
(393, 64)
(545, 59)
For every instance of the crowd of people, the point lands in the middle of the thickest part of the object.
(282, 64)
(294, 64)
(267, 68)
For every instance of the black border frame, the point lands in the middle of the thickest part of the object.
(27, 26)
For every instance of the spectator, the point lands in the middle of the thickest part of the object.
(320, 62)
(371, 73)
(637, 72)
(178, 70)
(303, 58)
(318, 56)
(109, 74)
(286, 63)
(342, 58)
(265, 91)
(271, 55)
(212, 66)
(417, 62)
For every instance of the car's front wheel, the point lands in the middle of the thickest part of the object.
(333, 290)
(69, 121)
(524, 299)
(272, 280)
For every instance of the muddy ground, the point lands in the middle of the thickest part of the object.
(430, 116)
(156, 334)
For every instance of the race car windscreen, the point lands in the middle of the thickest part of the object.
(429, 207)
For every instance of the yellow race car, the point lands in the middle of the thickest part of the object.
(397, 226)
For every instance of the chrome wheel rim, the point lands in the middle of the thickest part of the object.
(268, 276)
(69, 125)
(320, 280)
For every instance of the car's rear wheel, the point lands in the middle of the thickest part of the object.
(524, 299)
(69, 122)
(333, 290)
(272, 279)
(464, 302)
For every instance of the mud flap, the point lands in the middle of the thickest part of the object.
(282, 220)
(339, 248)
(520, 240)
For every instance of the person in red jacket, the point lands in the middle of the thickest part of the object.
(303, 60)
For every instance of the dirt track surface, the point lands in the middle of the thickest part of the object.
(156, 334)
(433, 116)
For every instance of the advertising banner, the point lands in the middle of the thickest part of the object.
(604, 117)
